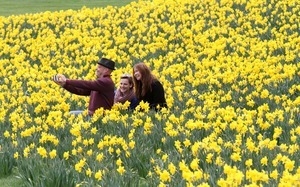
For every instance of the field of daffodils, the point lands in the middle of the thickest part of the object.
(231, 73)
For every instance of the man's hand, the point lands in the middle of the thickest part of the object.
(59, 79)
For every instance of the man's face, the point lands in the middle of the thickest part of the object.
(100, 71)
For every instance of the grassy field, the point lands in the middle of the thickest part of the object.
(17, 7)
(10, 181)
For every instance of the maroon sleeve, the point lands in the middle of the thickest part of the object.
(100, 84)
(76, 90)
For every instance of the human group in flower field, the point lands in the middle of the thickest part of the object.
(142, 86)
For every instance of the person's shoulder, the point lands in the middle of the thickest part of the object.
(106, 83)
(105, 79)
(133, 103)
(134, 99)
(156, 82)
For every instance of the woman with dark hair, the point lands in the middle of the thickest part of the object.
(125, 92)
(147, 87)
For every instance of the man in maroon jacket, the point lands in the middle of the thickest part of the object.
(101, 90)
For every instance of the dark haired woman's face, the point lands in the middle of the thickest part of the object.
(137, 74)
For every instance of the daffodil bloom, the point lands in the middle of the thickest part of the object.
(98, 175)
(16, 155)
(119, 162)
(249, 163)
(99, 157)
(52, 154)
(42, 152)
(235, 157)
(209, 157)
(187, 143)
(289, 164)
(195, 164)
(6, 134)
(172, 168)
(79, 165)
(25, 152)
(131, 144)
(165, 157)
(89, 152)
(121, 170)
(178, 146)
(264, 161)
(165, 176)
(66, 155)
(94, 130)
(88, 172)
(274, 174)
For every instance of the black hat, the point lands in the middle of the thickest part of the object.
(107, 63)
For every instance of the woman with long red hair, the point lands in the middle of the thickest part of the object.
(147, 87)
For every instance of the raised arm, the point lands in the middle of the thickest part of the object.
(101, 84)
(76, 90)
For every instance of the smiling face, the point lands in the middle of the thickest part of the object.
(125, 85)
(137, 74)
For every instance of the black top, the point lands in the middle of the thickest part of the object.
(156, 97)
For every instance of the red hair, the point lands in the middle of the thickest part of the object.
(144, 85)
